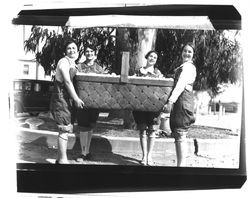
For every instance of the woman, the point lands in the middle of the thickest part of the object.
(180, 104)
(87, 118)
(147, 122)
(63, 97)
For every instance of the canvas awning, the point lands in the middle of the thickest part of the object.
(158, 16)
(167, 22)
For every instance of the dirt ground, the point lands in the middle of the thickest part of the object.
(33, 153)
(114, 128)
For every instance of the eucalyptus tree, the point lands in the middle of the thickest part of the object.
(52, 41)
(218, 57)
(218, 54)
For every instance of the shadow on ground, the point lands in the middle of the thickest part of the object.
(38, 151)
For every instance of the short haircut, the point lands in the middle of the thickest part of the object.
(191, 44)
(68, 42)
(91, 46)
(151, 51)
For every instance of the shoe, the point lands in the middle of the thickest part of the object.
(150, 162)
(84, 157)
(57, 162)
(143, 162)
(88, 156)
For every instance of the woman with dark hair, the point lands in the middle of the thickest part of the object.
(180, 104)
(86, 117)
(147, 122)
(150, 70)
(63, 96)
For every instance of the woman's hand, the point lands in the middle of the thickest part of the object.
(79, 103)
(167, 108)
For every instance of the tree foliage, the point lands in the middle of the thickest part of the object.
(218, 58)
(53, 48)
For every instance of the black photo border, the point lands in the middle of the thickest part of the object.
(52, 178)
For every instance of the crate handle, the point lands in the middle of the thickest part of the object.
(124, 67)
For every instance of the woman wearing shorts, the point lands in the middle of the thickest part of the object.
(63, 97)
(180, 104)
(87, 117)
(148, 122)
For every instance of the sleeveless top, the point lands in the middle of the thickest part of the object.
(59, 87)
(61, 104)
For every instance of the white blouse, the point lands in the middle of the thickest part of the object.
(145, 70)
(186, 78)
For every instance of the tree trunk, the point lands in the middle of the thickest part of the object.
(146, 42)
(122, 45)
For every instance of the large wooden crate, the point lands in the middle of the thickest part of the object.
(109, 92)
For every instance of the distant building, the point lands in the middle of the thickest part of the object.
(26, 66)
(229, 100)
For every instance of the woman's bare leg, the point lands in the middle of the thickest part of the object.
(181, 152)
(151, 143)
(62, 142)
(143, 143)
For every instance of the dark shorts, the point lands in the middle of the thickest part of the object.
(61, 109)
(145, 117)
(182, 114)
(87, 117)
